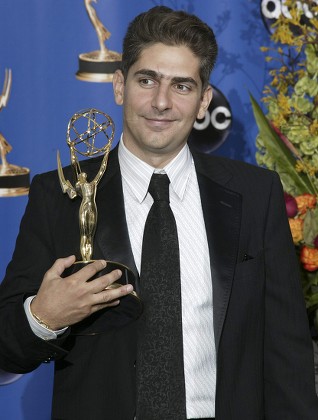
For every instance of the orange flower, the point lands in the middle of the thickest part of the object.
(305, 201)
(309, 258)
(296, 227)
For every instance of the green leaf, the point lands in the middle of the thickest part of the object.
(284, 160)
(312, 300)
(310, 229)
(305, 85)
(302, 104)
(312, 59)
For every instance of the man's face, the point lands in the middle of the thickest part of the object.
(162, 97)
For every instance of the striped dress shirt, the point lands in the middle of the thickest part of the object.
(196, 283)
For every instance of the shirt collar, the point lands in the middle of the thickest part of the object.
(137, 173)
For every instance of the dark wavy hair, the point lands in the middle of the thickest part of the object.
(164, 25)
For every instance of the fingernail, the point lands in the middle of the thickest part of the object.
(129, 288)
(103, 263)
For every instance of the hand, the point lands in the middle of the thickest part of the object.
(62, 302)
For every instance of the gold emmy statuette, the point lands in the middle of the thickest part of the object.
(100, 65)
(84, 130)
(14, 180)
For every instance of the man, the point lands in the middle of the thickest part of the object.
(245, 343)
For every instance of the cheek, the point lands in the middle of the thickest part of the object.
(191, 117)
(134, 105)
(131, 114)
(189, 109)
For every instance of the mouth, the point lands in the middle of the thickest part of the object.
(159, 123)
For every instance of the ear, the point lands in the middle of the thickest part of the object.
(205, 102)
(118, 86)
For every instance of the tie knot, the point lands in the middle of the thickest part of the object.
(159, 187)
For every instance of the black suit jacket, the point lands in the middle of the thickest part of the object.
(264, 352)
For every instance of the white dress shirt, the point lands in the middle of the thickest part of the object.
(196, 284)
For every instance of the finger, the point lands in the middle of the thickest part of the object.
(102, 282)
(111, 295)
(60, 265)
(100, 306)
(88, 271)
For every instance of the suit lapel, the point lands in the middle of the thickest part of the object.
(222, 214)
(112, 238)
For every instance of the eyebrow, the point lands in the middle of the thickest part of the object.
(155, 75)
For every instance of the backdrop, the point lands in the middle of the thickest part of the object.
(40, 41)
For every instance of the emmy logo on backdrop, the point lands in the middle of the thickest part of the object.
(86, 134)
(100, 65)
(14, 180)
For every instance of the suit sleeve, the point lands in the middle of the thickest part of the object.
(288, 356)
(20, 349)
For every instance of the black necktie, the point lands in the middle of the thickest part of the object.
(160, 372)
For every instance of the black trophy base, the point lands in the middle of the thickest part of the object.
(129, 309)
(15, 182)
(93, 69)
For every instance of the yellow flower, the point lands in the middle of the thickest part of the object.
(283, 34)
(314, 22)
(305, 201)
(307, 168)
(313, 128)
(296, 228)
(283, 103)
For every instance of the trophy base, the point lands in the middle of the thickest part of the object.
(97, 66)
(14, 180)
(129, 309)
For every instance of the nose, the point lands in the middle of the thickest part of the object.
(162, 98)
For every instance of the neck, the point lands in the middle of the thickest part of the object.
(156, 158)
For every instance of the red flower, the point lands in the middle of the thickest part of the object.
(291, 205)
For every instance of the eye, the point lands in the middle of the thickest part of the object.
(180, 87)
(146, 82)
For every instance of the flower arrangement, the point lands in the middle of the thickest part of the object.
(288, 134)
